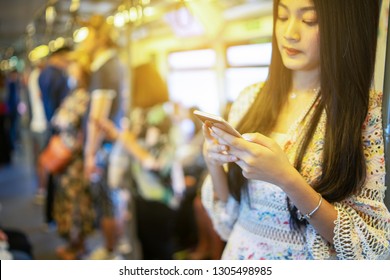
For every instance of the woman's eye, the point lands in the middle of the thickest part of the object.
(310, 18)
(310, 22)
(282, 18)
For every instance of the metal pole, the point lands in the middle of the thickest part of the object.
(386, 117)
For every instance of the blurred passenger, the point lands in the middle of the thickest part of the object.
(152, 149)
(53, 84)
(73, 209)
(107, 77)
(188, 139)
(13, 99)
(5, 145)
(53, 81)
(14, 245)
(152, 153)
(38, 126)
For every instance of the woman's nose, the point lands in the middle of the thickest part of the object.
(292, 30)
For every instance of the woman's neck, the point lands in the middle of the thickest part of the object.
(305, 80)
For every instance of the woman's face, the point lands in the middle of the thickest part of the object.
(297, 35)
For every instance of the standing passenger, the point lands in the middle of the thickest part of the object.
(152, 147)
(306, 181)
(53, 83)
(107, 73)
(13, 99)
(5, 145)
(38, 125)
(73, 208)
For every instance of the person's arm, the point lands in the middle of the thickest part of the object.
(92, 142)
(215, 159)
(137, 151)
(261, 158)
(221, 207)
(129, 141)
(215, 154)
(94, 137)
(3, 236)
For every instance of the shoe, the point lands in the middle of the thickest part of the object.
(124, 246)
(4, 253)
(39, 198)
(69, 253)
(49, 227)
(199, 255)
(103, 254)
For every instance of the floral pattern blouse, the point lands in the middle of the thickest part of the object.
(73, 206)
(258, 227)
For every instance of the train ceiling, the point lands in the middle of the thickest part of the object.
(31, 18)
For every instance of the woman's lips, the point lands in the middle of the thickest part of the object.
(291, 52)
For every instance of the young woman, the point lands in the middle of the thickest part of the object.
(306, 181)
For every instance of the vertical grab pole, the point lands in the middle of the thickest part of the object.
(386, 117)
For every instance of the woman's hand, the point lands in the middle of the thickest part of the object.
(214, 152)
(108, 127)
(259, 157)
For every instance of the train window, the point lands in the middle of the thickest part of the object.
(247, 64)
(192, 59)
(239, 78)
(192, 79)
(249, 55)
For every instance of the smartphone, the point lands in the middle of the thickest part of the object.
(218, 122)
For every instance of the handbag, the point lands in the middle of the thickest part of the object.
(56, 156)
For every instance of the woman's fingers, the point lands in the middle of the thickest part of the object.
(216, 152)
(224, 158)
(206, 132)
(237, 146)
(217, 148)
(254, 144)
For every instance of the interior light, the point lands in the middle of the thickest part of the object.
(38, 53)
(133, 14)
(80, 34)
(140, 11)
(51, 46)
(30, 29)
(149, 11)
(59, 43)
(74, 6)
(13, 61)
(119, 20)
(50, 14)
(4, 65)
(110, 20)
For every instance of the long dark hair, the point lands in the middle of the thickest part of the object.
(348, 36)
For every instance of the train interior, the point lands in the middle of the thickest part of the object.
(206, 51)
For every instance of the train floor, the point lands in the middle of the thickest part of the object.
(19, 209)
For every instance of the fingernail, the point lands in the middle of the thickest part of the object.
(247, 137)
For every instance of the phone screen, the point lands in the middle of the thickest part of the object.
(218, 122)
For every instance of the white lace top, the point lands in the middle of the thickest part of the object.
(259, 228)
